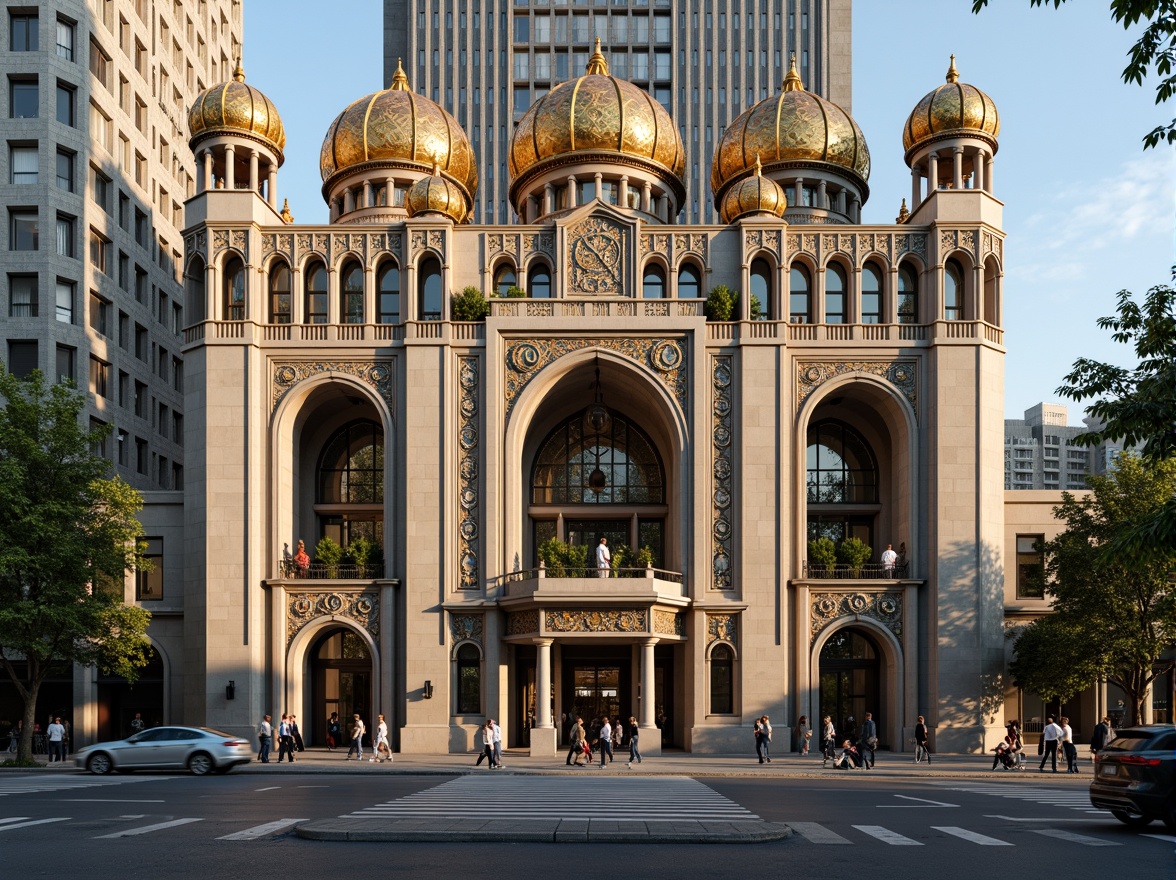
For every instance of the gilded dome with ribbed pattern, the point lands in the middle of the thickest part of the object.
(953, 108)
(234, 107)
(792, 125)
(595, 114)
(398, 126)
(436, 194)
(753, 195)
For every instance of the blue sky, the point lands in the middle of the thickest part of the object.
(1087, 211)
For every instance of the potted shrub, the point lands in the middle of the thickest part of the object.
(329, 554)
(822, 556)
(721, 303)
(855, 553)
(470, 305)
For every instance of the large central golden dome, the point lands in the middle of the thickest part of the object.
(400, 127)
(596, 113)
(955, 108)
(789, 126)
(236, 108)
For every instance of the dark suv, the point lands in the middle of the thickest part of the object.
(1135, 777)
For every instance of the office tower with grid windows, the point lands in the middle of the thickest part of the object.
(96, 168)
(705, 61)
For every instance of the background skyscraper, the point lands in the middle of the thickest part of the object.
(706, 61)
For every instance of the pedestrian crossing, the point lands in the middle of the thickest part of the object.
(10, 785)
(519, 797)
(1067, 798)
(816, 833)
(256, 832)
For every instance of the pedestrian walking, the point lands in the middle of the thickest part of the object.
(334, 732)
(868, 741)
(56, 734)
(383, 751)
(285, 740)
(487, 753)
(576, 736)
(763, 740)
(265, 733)
(828, 739)
(605, 740)
(1050, 737)
(496, 734)
(296, 734)
(804, 734)
(1069, 749)
(618, 735)
(634, 734)
(922, 750)
(357, 731)
(1102, 735)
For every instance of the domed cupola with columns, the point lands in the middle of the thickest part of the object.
(382, 144)
(438, 195)
(950, 138)
(237, 137)
(596, 137)
(752, 196)
(809, 146)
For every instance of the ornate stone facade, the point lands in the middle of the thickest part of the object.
(362, 608)
(722, 628)
(902, 374)
(597, 257)
(466, 628)
(591, 620)
(668, 623)
(469, 506)
(377, 374)
(886, 608)
(722, 472)
(522, 623)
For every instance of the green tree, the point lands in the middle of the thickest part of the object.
(720, 303)
(68, 536)
(470, 305)
(855, 553)
(1137, 405)
(1114, 615)
(1154, 51)
(822, 553)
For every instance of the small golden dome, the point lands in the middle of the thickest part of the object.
(234, 107)
(792, 125)
(753, 195)
(436, 194)
(953, 108)
(399, 127)
(597, 113)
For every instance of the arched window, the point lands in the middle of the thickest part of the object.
(234, 290)
(653, 283)
(539, 281)
(991, 293)
(469, 681)
(689, 282)
(842, 483)
(194, 287)
(316, 294)
(871, 300)
(505, 279)
(761, 290)
(799, 295)
(908, 295)
(351, 302)
(279, 289)
(621, 457)
(834, 294)
(349, 496)
(953, 292)
(388, 294)
(722, 681)
(429, 292)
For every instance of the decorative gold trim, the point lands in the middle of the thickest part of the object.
(362, 608)
(469, 496)
(902, 374)
(377, 374)
(828, 608)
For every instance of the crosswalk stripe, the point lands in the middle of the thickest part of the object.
(814, 832)
(36, 784)
(146, 829)
(886, 835)
(262, 830)
(970, 836)
(33, 822)
(13, 819)
(1167, 838)
(1070, 836)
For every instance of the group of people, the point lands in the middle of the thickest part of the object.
(1058, 735)
(858, 745)
(491, 745)
(604, 736)
(289, 738)
(288, 735)
(52, 740)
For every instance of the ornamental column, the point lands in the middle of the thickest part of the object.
(648, 708)
(543, 735)
(207, 183)
(916, 189)
(957, 167)
(932, 173)
(254, 180)
(230, 171)
(271, 186)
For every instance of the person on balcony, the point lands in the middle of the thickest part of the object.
(889, 558)
(603, 559)
(301, 561)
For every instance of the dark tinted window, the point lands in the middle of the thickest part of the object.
(1142, 740)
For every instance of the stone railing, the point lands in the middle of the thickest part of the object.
(871, 571)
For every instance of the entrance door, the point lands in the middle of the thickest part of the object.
(849, 681)
(341, 681)
(599, 685)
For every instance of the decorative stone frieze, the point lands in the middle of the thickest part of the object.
(466, 628)
(902, 374)
(361, 607)
(469, 497)
(522, 623)
(223, 239)
(722, 471)
(886, 608)
(597, 257)
(377, 374)
(770, 240)
(668, 623)
(722, 628)
(591, 620)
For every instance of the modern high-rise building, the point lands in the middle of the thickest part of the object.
(95, 170)
(1041, 452)
(488, 61)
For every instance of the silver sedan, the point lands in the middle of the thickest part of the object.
(201, 750)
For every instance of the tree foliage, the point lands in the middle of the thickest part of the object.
(68, 536)
(1114, 615)
(470, 305)
(1154, 51)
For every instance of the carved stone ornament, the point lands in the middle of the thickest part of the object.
(466, 628)
(468, 502)
(886, 608)
(914, 243)
(596, 257)
(522, 623)
(722, 628)
(667, 357)
(756, 240)
(222, 239)
(668, 623)
(723, 470)
(377, 374)
(591, 620)
(362, 608)
(903, 375)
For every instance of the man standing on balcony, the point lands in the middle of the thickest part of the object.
(603, 558)
(889, 557)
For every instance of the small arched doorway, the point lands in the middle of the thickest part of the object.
(850, 680)
(119, 700)
(340, 671)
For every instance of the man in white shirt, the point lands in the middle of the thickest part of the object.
(56, 733)
(605, 737)
(496, 732)
(889, 557)
(603, 559)
(265, 732)
(1066, 744)
(1049, 738)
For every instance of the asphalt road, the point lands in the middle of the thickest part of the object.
(177, 826)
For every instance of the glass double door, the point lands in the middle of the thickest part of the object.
(598, 686)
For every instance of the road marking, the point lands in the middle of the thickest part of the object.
(262, 830)
(816, 833)
(34, 822)
(926, 803)
(1074, 838)
(1167, 838)
(13, 819)
(270, 788)
(111, 800)
(972, 836)
(146, 829)
(314, 786)
(886, 835)
(1043, 819)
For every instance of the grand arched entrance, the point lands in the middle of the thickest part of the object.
(850, 679)
(341, 680)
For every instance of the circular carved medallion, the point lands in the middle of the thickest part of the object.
(666, 356)
(524, 357)
(285, 375)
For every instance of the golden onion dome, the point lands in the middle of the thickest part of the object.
(401, 128)
(436, 194)
(953, 108)
(597, 113)
(792, 125)
(236, 108)
(753, 195)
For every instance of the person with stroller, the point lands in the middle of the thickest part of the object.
(850, 758)
(1005, 754)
